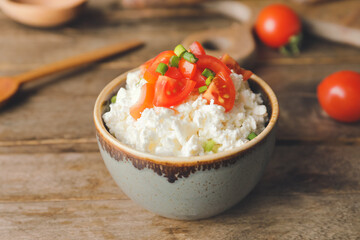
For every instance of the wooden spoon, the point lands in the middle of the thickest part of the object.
(237, 40)
(10, 85)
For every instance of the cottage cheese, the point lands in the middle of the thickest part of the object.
(162, 131)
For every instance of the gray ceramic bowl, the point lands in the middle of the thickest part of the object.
(187, 188)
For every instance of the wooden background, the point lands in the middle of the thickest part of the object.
(54, 184)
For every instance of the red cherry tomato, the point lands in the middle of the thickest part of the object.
(222, 91)
(174, 72)
(145, 101)
(212, 63)
(232, 64)
(276, 23)
(197, 49)
(339, 96)
(150, 74)
(187, 69)
(199, 79)
(171, 92)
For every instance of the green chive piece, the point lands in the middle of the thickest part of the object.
(202, 89)
(174, 61)
(162, 68)
(208, 73)
(113, 99)
(188, 56)
(251, 136)
(179, 50)
(209, 80)
(211, 145)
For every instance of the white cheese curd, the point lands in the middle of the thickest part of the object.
(165, 132)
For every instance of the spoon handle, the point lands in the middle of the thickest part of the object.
(77, 61)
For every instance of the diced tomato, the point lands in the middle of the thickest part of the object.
(197, 49)
(174, 72)
(232, 64)
(187, 69)
(199, 79)
(222, 91)
(146, 65)
(171, 92)
(150, 74)
(212, 63)
(145, 101)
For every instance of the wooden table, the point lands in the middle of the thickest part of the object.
(53, 182)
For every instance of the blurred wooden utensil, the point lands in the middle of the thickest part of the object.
(10, 85)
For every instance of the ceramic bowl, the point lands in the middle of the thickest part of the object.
(193, 187)
(42, 13)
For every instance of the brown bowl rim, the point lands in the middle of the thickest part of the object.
(112, 88)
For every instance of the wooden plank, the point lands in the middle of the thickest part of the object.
(83, 176)
(257, 217)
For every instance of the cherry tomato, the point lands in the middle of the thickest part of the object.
(222, 91)
(171, 92)
(232, 64)
(276, 23)
(146, 65)
(199, 79)
(197, 49)
(212, 63)
(145, 101)
(150, 74)
(339, 96)
(174, 72)
(187, 69)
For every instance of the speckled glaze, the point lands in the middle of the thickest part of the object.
(187, 188)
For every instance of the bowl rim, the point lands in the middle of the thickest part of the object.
(37, 6)
(109, 89)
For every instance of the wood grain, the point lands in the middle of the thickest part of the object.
(54, 185)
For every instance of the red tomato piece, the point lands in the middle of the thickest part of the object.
(232, 64)
(171, 92)
(150, 74)
(187, 69)
(212, 63)
(174, 72)
(199, 79)
(276, 23)
(197, 49)
(147, 64)
(145, 101)
(222, 91)
(339, 96)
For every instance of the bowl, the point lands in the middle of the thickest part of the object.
(42, 13)
(193, 187)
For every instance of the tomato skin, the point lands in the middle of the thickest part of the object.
(339, 96)
(199, 79)
(222, 91)
(171, 92)
(150, 74)
(232, 64)
(188, 69)
(276, 23)
(213, 63)
(145, 101)
(197, 49)
(174, 72)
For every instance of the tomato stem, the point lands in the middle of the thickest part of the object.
(293, 46)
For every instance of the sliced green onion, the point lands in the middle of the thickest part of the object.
(162, 68)
(202, 89)
(174, 61)
(211, 145)
(207, 73)
(188, 56)
(208, 80)
(179, 50)
(113, 99)
(251, 136)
